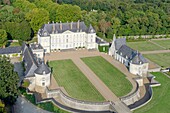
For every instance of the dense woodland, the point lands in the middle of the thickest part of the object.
(21, 19)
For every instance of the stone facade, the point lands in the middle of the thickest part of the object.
(58, 36)
(132, 59)
(36, 71)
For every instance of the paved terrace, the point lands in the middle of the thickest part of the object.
(99, 85)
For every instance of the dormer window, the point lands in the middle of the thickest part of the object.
(45, 33)
(91, 30)
(43, 72)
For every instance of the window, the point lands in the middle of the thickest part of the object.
(43, 83)
(66, 40)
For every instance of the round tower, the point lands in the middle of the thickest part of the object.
(42, 77)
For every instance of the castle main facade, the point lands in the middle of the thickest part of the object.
(60, 36)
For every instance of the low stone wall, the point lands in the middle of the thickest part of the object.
(133, 97)
(150, 98)
(155, 69)
(79, 104)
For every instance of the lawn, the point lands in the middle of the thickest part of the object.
(164, 43)
(162, 59)
(112, 77)
(143, 46)
(74, 81)
(160, 102)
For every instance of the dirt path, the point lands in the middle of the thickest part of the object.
(93, 78)
(123, 69)
(155, 52)
(157, 44)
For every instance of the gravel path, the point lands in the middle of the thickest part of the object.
(98, 84)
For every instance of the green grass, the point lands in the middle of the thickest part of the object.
(143, 46)
(164, 43)
(50, 107)
(35, 39)
(162, 59)
(160, 102)
(74, 81)
(111, 76)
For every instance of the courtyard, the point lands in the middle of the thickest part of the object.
(64, 63)
(111, 76)
(74, 81)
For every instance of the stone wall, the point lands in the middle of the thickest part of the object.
(133, 97)
(150, 92)
(155, 70)
(79, 104)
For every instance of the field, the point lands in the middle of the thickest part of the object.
(111, 76)
(160, 102)
(162, 59)
(164, 43)
(143, 46)
(74, 81)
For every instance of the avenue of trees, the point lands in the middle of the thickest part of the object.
(8, 81)
(22, 18)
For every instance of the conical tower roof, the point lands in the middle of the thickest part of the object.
(42, 69)
(90, 29)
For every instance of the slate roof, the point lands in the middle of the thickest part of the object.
(54, 28)
(126, 52)
(90, 29)
(29, 61)
(10, 50)
(119, 42)
(138, 59)
(35, 46)
(42, 68)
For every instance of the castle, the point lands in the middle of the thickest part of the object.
(60, 36)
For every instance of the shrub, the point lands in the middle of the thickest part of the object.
(25, 83)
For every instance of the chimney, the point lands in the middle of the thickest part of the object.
(71, 25)
(78, 24)
(60, 25)
(53, 28)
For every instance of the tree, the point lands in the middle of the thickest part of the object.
(9, 81)
(24, 5)
(49, 6)
(115, 24)
(68, 13)
(3, 37)
(18, 31)
(37, 17)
